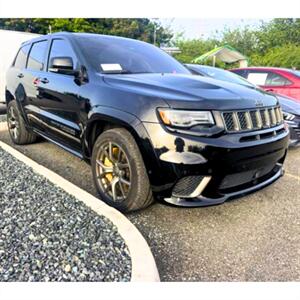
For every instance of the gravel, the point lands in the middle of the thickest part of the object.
(48, 235)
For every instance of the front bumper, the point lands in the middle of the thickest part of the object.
(205, 201)
(236, 165)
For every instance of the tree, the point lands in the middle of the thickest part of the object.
(190, 49)
(276, 43)
(278, 32)
(244, 39)
(287, 56)
(142, 28)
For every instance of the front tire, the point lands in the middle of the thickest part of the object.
(16, 126)
(119, 172)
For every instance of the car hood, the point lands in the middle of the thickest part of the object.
(191, 92)
(289, 105)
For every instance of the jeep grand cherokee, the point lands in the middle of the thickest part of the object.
(144, 122)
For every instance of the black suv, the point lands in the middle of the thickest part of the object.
(146, 124)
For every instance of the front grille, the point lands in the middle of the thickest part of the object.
(186, 186)
(228, 118)
(237, 121)
(243, 121)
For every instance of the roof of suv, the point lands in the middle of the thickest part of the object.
(81, 34)
(264, 68)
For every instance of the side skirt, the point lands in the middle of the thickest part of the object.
(72, 151)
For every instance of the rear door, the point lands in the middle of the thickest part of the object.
(35, 71)
(15, 74)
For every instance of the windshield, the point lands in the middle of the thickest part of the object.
(295, 72)
(225, 75)
(119, 55)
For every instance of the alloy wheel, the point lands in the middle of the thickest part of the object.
(113, 171)
(13, 123)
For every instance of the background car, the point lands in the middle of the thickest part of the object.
(291, 109)
(291, 114)
(278, 80)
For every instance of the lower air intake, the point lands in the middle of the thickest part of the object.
(186, 186)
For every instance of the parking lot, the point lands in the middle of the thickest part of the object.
(255, 238)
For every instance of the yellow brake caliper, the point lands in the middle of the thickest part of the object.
(108, 163)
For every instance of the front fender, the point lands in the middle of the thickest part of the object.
(108, 115)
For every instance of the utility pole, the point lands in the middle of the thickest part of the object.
(154, 30)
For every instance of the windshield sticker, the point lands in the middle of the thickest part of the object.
(111, 67)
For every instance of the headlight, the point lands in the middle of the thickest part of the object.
(288, 116)
(185, 118)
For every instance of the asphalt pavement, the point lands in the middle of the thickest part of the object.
(254, 238)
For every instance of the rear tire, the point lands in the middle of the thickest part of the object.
(16, 126)
(119, 172)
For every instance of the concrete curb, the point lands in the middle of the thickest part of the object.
(143, 264)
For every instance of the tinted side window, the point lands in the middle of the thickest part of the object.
(20, 61)
(37, 55)
(61, 48)
(277, 80)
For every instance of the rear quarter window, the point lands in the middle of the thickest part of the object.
(37, 56)
(275, 79)
(21, 58)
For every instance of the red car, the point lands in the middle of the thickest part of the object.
(276, 80)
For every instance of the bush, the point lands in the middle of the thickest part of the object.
(287, 56)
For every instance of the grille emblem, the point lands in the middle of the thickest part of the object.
(259, 103)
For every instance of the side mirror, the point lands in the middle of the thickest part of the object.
(62, 65)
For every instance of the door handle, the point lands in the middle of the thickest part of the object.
(20, 75)
(44, 80)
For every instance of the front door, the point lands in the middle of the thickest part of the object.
(57, 98)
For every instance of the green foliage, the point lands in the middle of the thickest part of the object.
(190, 49)
(141, 28)
(278, 32)
(283, 56)
(276, 43)
(242, 39)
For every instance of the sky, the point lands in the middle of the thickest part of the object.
(203, 28)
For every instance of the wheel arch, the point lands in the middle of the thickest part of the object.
(107, 118)
(8, 96)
